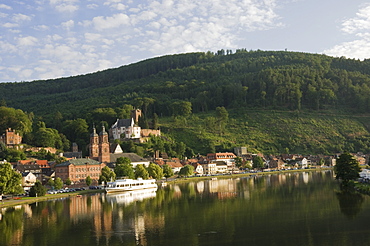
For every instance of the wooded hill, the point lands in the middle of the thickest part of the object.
(300, 84)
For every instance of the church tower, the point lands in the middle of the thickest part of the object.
(104, 155)
(94, 145)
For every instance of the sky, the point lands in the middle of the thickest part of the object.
(47, 39)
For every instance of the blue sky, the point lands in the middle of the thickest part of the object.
(45, 39)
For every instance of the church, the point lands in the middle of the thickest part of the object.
(99, 146)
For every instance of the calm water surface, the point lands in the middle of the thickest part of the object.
(285, 209)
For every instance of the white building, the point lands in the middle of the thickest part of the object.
(125, 129)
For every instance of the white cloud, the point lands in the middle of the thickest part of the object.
(114, 21)
(27, 41)
(41, 28)
(66, 8)
(92, 6)
(359, 27)
(10, 25)
(92, 37)
(4, 6)
(68, 24)
(21, 18)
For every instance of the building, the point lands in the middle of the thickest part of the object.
(77, 170)
(134, 158)
(11, 138)
(29, 166)
(99, 148)
(228, 158)
(125, 129)
(240, 151)
(28, 180)
(209, 168)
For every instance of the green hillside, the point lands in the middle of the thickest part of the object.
(277, 101)
(275, 132)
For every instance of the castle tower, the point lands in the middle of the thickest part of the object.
(104, 155)
(136, 114)
(94, 145)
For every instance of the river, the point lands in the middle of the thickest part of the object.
(303, 208)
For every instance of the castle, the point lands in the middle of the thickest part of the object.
(11, 139)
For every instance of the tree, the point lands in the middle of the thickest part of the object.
(123, 160)
(167, 171)
(258, 162)
(68, 181)
(106, 175)
(58, 183)
(15, 119)
(51, 182)
(181, 108)
(124, 170)
(155, 122)
(222, 117)
(141, 172)
(88, 180)
(10, 180)
(347, 168)
(37, 190)
(187, 170)
(155, 171)
(238, 162)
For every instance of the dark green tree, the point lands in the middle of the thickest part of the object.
(141, 172)
(167, 171)
(181, 108)
(68, 181)
(155, 122)
(238, 162)
(15, 119)
(51, 182)
(124, 170)
(37, 190)
(106, 175)
(88, 180)
(347, 168)
(222, 117)
(187, 170)
(123, 160)
(258, 162)
(58, 183)
(10, 180)
(155, 171)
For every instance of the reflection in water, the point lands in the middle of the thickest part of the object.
(350, 203)
(284, 209)
(131, 196)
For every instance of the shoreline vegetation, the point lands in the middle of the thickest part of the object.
(16, 201)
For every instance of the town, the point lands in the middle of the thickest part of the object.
(81, 171)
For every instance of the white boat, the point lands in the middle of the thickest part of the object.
(130, 184)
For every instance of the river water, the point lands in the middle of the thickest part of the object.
(303, 208)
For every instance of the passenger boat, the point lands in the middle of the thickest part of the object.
(130, 184)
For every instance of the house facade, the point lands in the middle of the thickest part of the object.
(209, 168)
(28, 180)
(77, 170)
(125, 129)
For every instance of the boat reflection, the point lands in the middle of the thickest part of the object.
(128, 197)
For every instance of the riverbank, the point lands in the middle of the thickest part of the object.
(19, 200)
(15, 201)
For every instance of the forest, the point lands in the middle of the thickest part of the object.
(185, 89)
